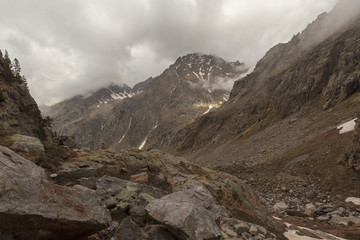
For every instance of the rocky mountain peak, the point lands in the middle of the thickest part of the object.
(207, 70)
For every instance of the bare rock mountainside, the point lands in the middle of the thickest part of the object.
(148, 115)
(319, 67)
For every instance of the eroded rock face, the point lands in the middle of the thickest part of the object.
(189, 214)
(19, 111)
(30, 205)
(353, 156)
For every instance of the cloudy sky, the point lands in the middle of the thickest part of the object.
(68, 47)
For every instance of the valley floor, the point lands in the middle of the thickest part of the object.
(298, 161)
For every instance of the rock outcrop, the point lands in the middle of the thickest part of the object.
(19, 112)
(30, 205)
(189, 214)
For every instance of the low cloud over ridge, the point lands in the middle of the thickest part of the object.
(70, 47)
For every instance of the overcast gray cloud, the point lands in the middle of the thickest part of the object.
(67, 47)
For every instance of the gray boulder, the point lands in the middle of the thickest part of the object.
(27, 144)
(280, 206)
(337, 220)
(189, 214)
(32, 206)
(124, 197)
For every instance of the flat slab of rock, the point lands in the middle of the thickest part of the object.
(189, 214)
(344, 220)
(32, 206)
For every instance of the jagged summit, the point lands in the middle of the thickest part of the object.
(208, 71)
(203, 67)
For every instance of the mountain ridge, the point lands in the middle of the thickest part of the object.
(156, 107)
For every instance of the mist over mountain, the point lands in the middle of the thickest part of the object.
(81, 46)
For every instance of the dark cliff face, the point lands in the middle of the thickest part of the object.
(19, 112)
(314, 66)
(151, 112)
(353, 156)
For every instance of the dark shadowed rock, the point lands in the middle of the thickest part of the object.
(32, 206)
(72, 177)
(129, 231)
(158, 232)
(353, 156)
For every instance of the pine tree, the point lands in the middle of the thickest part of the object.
(24, 82)
(7, 67)
(17, 71)
(1, 64)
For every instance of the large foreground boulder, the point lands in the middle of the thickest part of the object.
(189, 214)
(32, 206)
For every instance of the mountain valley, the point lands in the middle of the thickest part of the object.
(206, 150)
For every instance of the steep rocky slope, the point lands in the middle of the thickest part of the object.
(278, 130)
(148, 115)
(18, 111)
(84, 117)
(314, 69)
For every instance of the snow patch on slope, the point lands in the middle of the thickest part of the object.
(117, 96)
(122, 138)
(210, 107)
(347, 127)
(143, 143)
(354, 200)
(292, 234)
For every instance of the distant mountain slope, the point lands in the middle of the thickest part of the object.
(278, 130)
(149, 114)
(313, 66)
